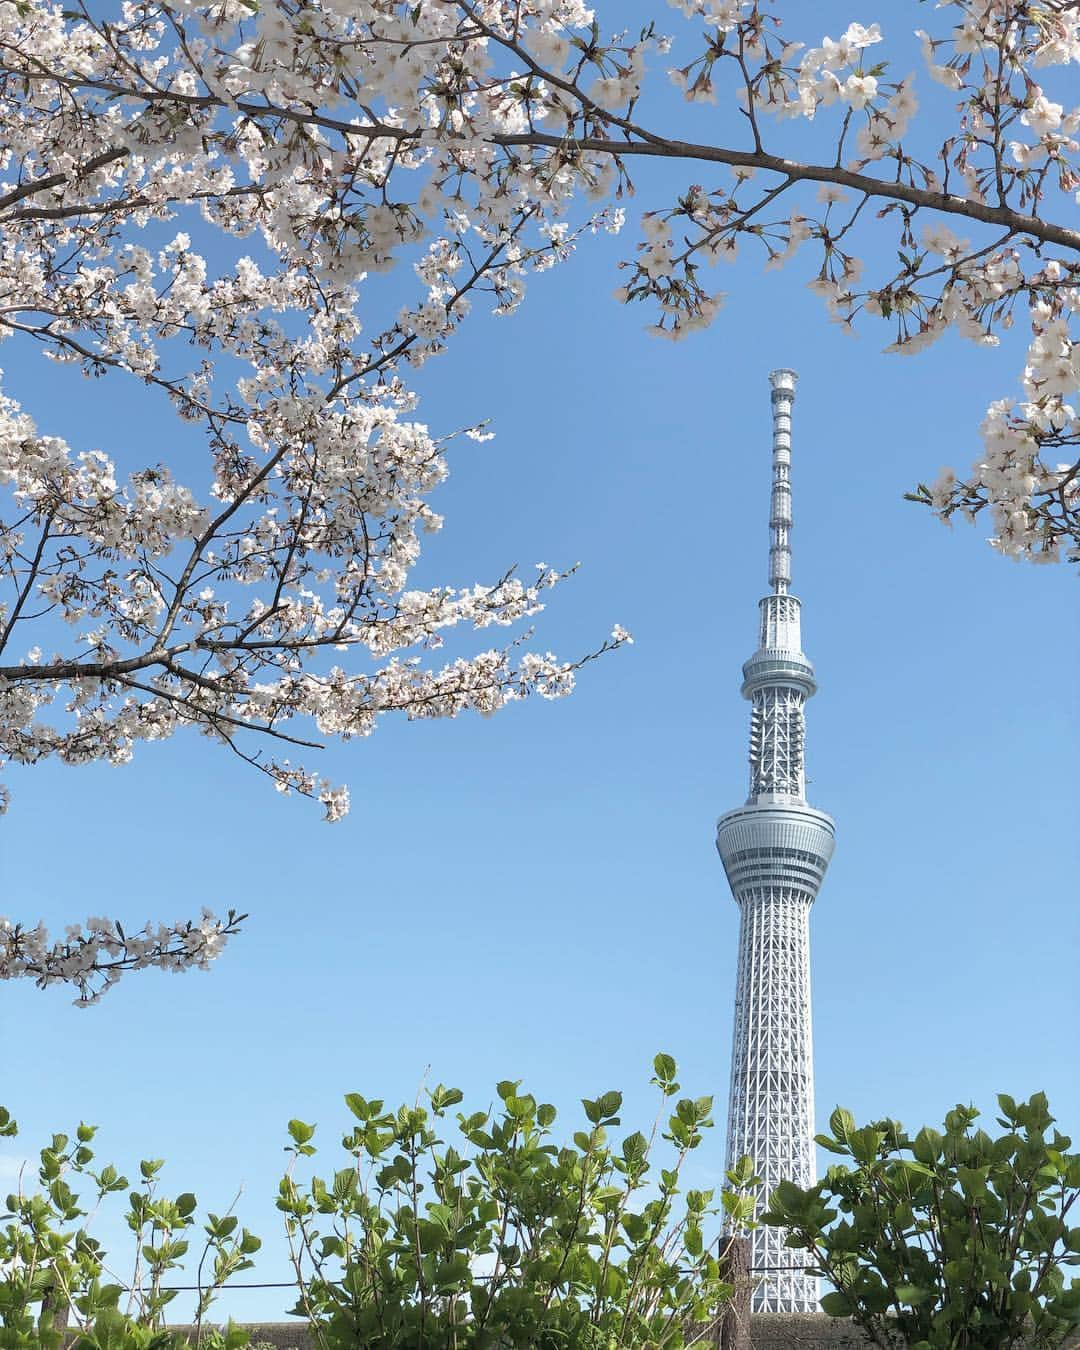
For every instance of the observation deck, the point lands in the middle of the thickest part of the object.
(775, 841)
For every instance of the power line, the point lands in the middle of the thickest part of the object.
(206, 1288)
(292, 1284)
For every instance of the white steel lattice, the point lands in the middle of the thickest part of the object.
(780, 623)
(777, 737)
(772, 1076)
(775, 851)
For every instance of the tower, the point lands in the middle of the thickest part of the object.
(775, 850)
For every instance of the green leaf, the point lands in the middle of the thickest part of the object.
(842, 1123)
(665, 1068)
(740, 1208)
(236, 1336)
(698, 1201)
(634, 1147)
(610, 1103)
(300, 1132)
(742, 1174)
(680, 1132)
(837, 1305)
(686, 1111)
(972, 1180)
(915, 1171)
(357, 1105)
(521, 1108)
(866, 1143)
(444, 1097)
(789, 1199)
(913, 1294)
(928, 1145)
(1008, 1106)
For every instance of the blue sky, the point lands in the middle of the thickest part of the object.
(538, 895)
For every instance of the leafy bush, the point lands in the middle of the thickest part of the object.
(948, 1239)
(52, 1269)
(502, 1237)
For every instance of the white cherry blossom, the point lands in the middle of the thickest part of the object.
(196, 198)
(93, 957)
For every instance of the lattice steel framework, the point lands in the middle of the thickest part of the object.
(775, 850)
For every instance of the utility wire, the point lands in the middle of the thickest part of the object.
(291, 1284)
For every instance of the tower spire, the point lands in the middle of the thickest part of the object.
(783, 396)
(778, 679)
(775, 850)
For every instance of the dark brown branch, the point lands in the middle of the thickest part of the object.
(1017, 222)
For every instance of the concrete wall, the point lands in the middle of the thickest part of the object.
(773, 1331)
(282, 1335)
(810, 1331)
(769, 1331)
(815, 1331)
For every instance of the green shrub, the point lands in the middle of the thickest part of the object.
(500, 1237)
(54, 1287)
(496, 1235)
(948, 1239)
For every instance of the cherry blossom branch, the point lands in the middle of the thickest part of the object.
(794, 171)
(94, 960)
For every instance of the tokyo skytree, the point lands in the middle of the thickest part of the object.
(775, 850)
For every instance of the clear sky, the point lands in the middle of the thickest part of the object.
(537, 895)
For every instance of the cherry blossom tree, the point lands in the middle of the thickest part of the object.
(201, 197)
(547, 102)
(261, 596)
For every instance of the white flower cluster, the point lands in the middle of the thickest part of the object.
(822, 80)
(305, 149)
(1011, 474)
(94, 958)
(983, 171)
